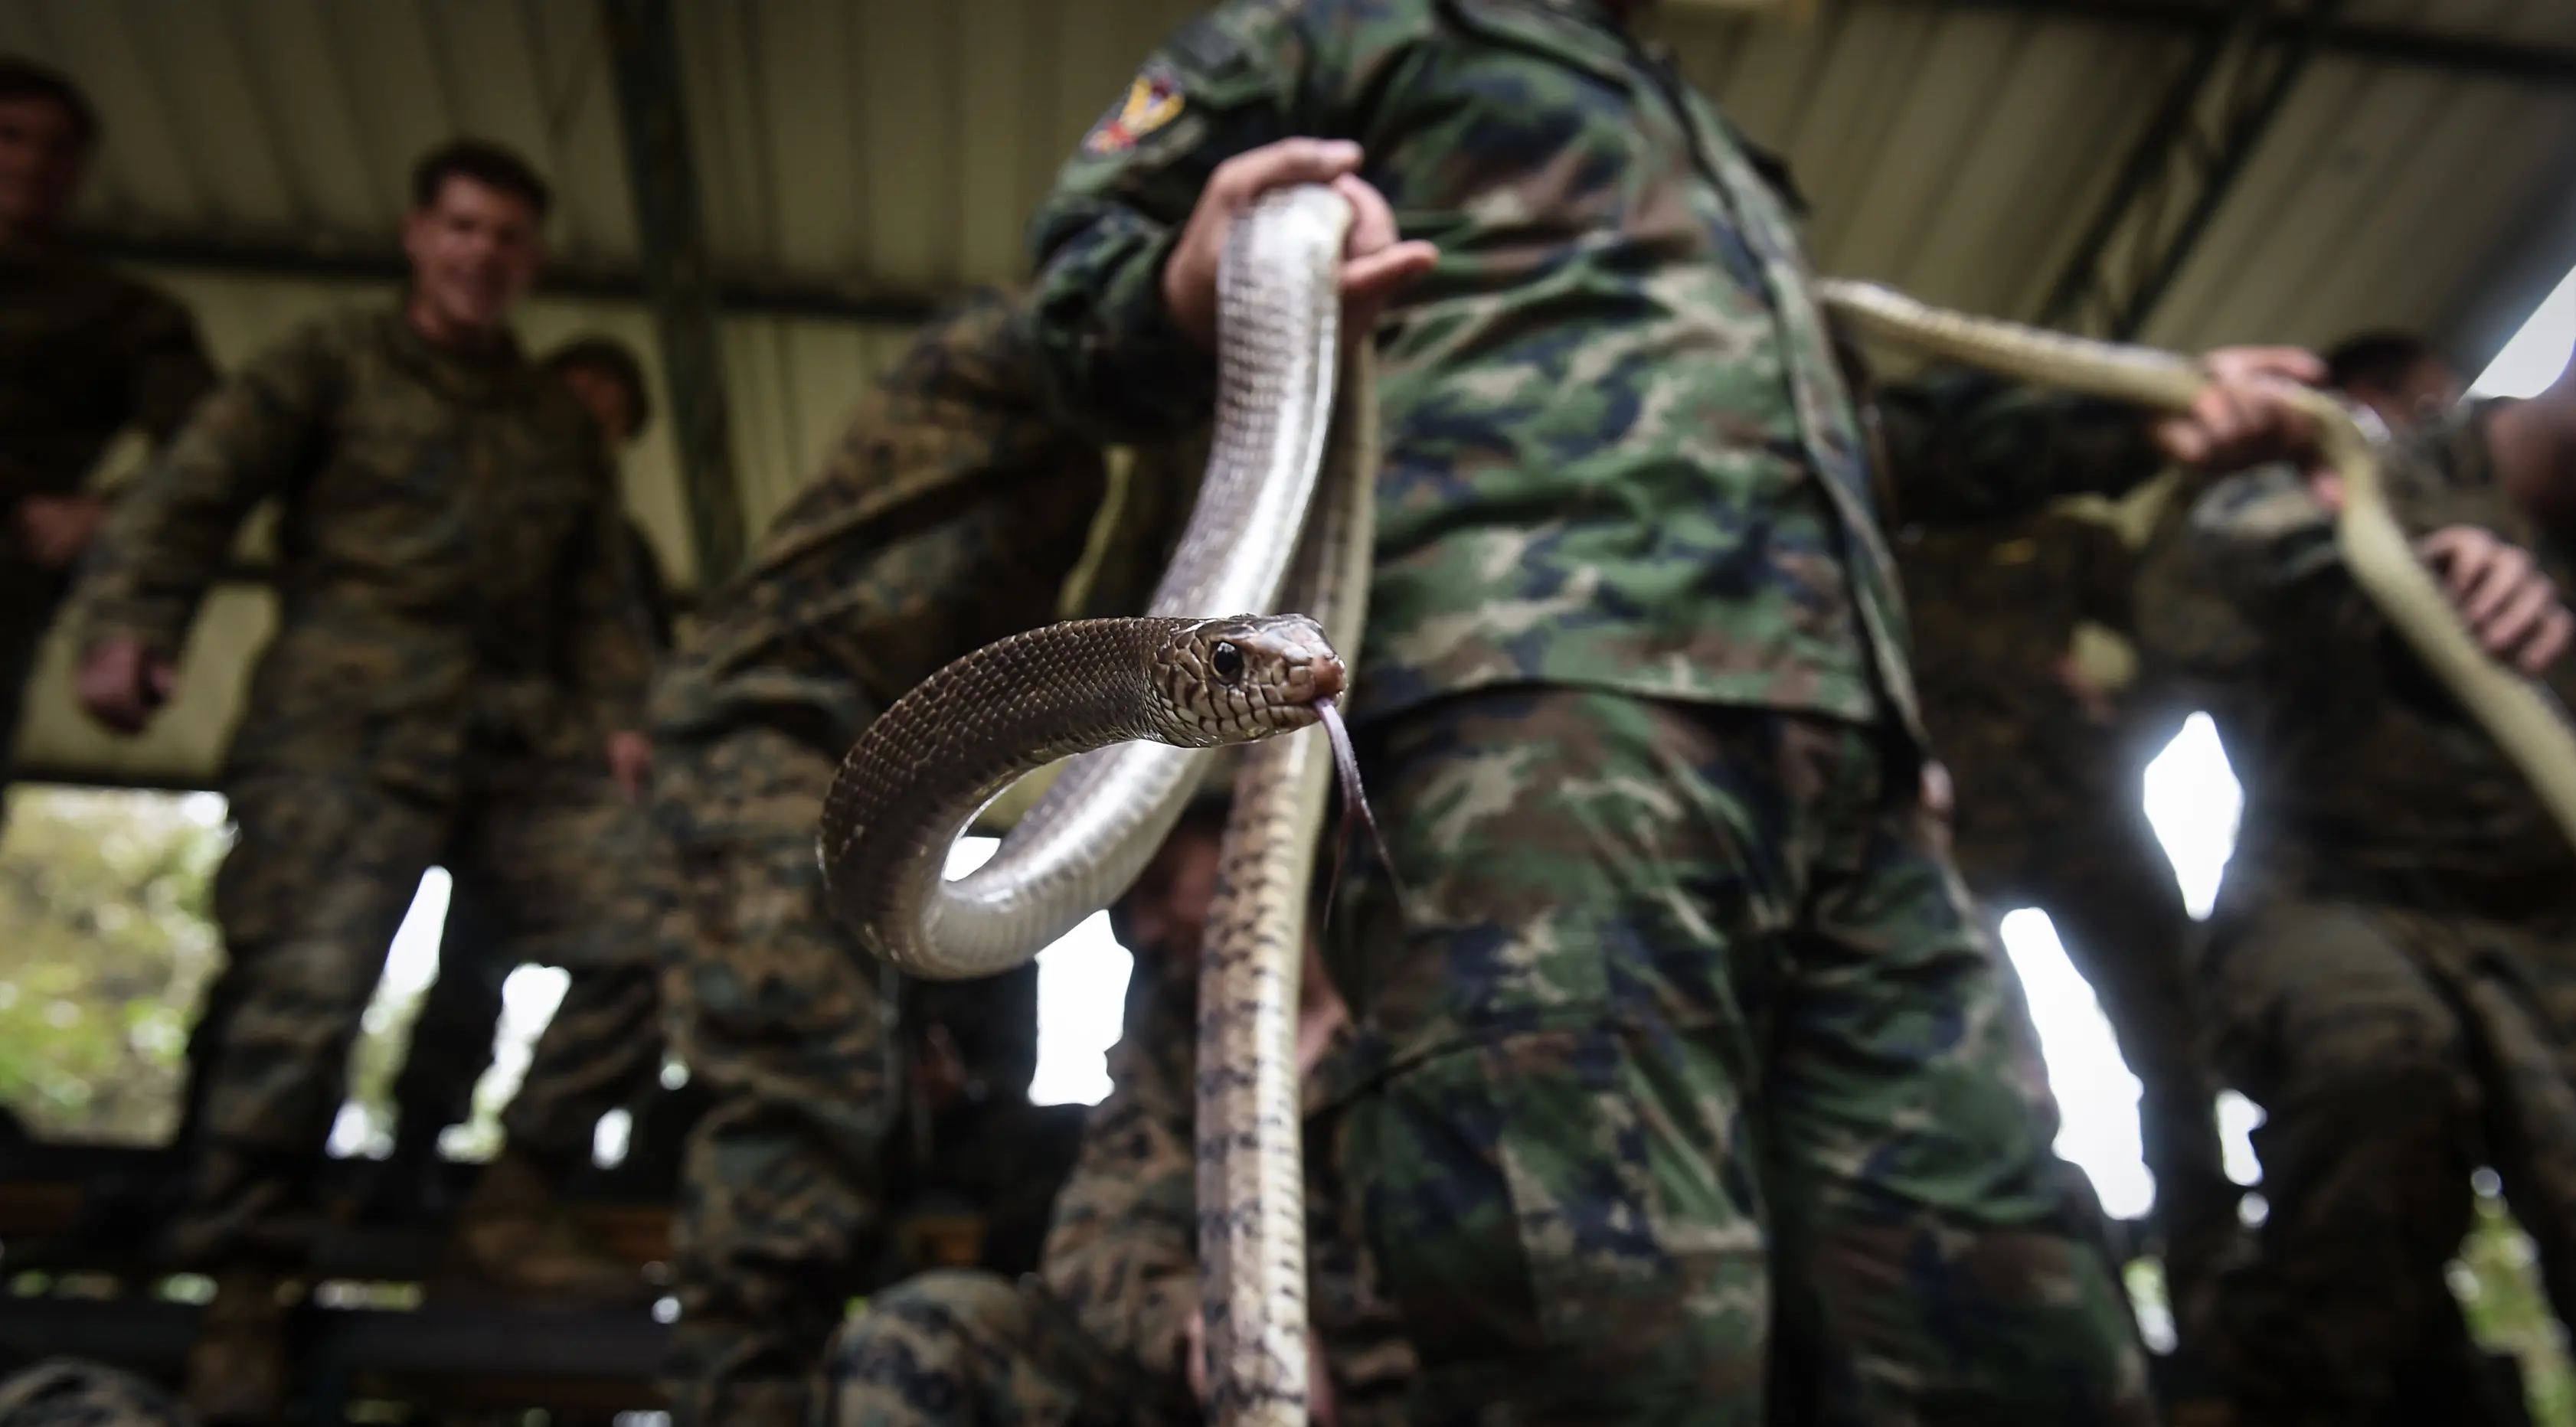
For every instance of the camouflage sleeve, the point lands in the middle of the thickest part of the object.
(612, 616)
(2106, 570)
(1122, 1252)
(167, 372)
(1967, 444)
(1113, 361)
(169, 535)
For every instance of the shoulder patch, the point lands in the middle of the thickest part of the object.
(1153, 100)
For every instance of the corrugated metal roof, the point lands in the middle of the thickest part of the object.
(1956, 147)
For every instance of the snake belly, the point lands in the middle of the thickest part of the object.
(2522, 717)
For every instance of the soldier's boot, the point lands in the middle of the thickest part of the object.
(514, 1235)
(237, 1369)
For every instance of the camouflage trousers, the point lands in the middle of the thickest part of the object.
(1687, 1036)
(967, 1349)
(2393, 1051)
(781, 1015)
(2110, 892)
(321, 873)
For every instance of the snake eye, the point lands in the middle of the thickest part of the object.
(1227, 661)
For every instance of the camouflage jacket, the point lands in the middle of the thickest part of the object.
(1618, 451)
(2360, 772)
(1122, 1255)
(85, 353)
(451, 563)
(949, 516)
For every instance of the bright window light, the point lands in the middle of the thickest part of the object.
(2537, 353)
(2097, 1097)
(2194, 802)
(1082, 999)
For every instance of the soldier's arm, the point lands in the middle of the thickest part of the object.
(2106, 573)
(169, 535)
(1122, 1253)
(1238, 102)
(1110, 351)
(1967, 440)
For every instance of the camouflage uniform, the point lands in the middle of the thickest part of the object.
(948, 517)
(1098, 1337)
(609, 1018)
(458, 635)
(2048, 800)
(84, 354)
(67, 1392)
(1680, 986)
(2389, 970)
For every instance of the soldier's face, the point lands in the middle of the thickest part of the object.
(475, 251)
(42, 162)
(2431, 387)
(604, 396)
(1167, 909)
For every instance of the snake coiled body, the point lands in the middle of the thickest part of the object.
(1133, 702)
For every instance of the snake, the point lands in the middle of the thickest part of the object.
(1284, 521)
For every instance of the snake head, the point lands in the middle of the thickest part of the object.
(1237, 680)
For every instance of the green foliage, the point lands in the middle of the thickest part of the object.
(2497, 1281)
(106, 943)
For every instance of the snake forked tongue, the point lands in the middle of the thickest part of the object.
(1355, 807)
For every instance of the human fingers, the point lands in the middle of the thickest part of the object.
(2512, 625)
(2238, 364)
(2547, 643)
(1254, 172)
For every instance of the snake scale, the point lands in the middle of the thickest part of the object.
(1284, 521)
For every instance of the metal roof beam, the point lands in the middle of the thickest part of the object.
(2186, 163)
(2398, 46)
(743, 295)
(679, 273)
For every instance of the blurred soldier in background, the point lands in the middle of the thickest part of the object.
(950, 515)
(2047, 808)
(2387, 971)
(85, 353)
(1109, 1330)
(606, 1028)
(457, 681)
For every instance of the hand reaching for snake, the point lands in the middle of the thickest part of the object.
(2510, 603)
(2244, 417)
(1376, 264)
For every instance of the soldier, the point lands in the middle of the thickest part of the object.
(2404, 380)
(456, 678)
(1679, 985)
(84, 354)
(1107, 1332)
(452, 1037)
(2047, 808)
(2401, 376)
(2386, 972)
(950, 515)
